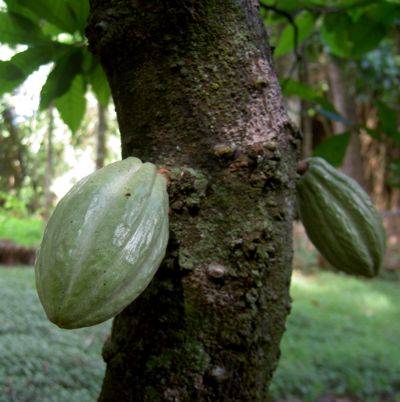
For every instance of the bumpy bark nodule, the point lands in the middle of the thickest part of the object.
(196, 93)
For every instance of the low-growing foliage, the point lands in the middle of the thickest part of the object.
(342, 339)
(40, 362)
(25, 231)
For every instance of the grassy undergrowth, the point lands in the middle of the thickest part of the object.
(26, 231)
(38, 361)
(342, 339)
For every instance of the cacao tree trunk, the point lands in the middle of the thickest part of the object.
(196, 93)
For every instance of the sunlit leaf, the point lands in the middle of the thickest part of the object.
(305, 23)
(307, 93)
(100, 86)
(7, 86)
(72, 104)
(60, 78)
(333, 149)
(351, 36)
(57, 12)
(23, 64)
(32, 58)
(16, 29)
(296, 88)
(14, 7)
(80, 11)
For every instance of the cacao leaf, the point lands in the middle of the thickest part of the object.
(72, 104)
(62, 75)
(16, 29)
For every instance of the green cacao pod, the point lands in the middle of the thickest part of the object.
(103, 244)
(340, 219)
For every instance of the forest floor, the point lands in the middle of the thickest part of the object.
(341, 344)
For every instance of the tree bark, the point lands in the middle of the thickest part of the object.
(352, 163)
(48, 198)
(196, 94)
(13, 162)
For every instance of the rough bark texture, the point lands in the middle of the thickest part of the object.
(196, 93)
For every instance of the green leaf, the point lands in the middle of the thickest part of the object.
(80, 10)
(58, 13)
(394, 173)
(336, 34)
(307, 93)
(14, 7)
(334, 116)
(388, 119)
(60, 78)
(72, 104)
(32, 58)
(25, 63)
(296, 88)
(373, 132)
(7, 86)
(351, 35)
(333, 149)
(16, 29)
(99, 83)
(10, 72)
(305, 23)
(286, 5)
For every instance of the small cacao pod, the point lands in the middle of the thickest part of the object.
(340, 219)
(103, 244)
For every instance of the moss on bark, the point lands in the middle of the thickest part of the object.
(196, 93)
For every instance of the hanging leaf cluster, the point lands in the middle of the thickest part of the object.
(52, 32)
(348, 30)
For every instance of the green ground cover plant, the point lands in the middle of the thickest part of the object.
(38, 361)
(26, 231)
(342, 339)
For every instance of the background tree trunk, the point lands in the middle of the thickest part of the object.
(101, 129)
(352, 163)
(48, 198)
(196, 93)
(11, 157)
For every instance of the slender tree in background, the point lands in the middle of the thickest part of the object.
(101, 129)
(11, 155)
(49, 165)
(346, 106)
(196, 93)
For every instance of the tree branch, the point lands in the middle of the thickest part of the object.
(291, 21)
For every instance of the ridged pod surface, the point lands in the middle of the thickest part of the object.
(103, 244)
(340, 219)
